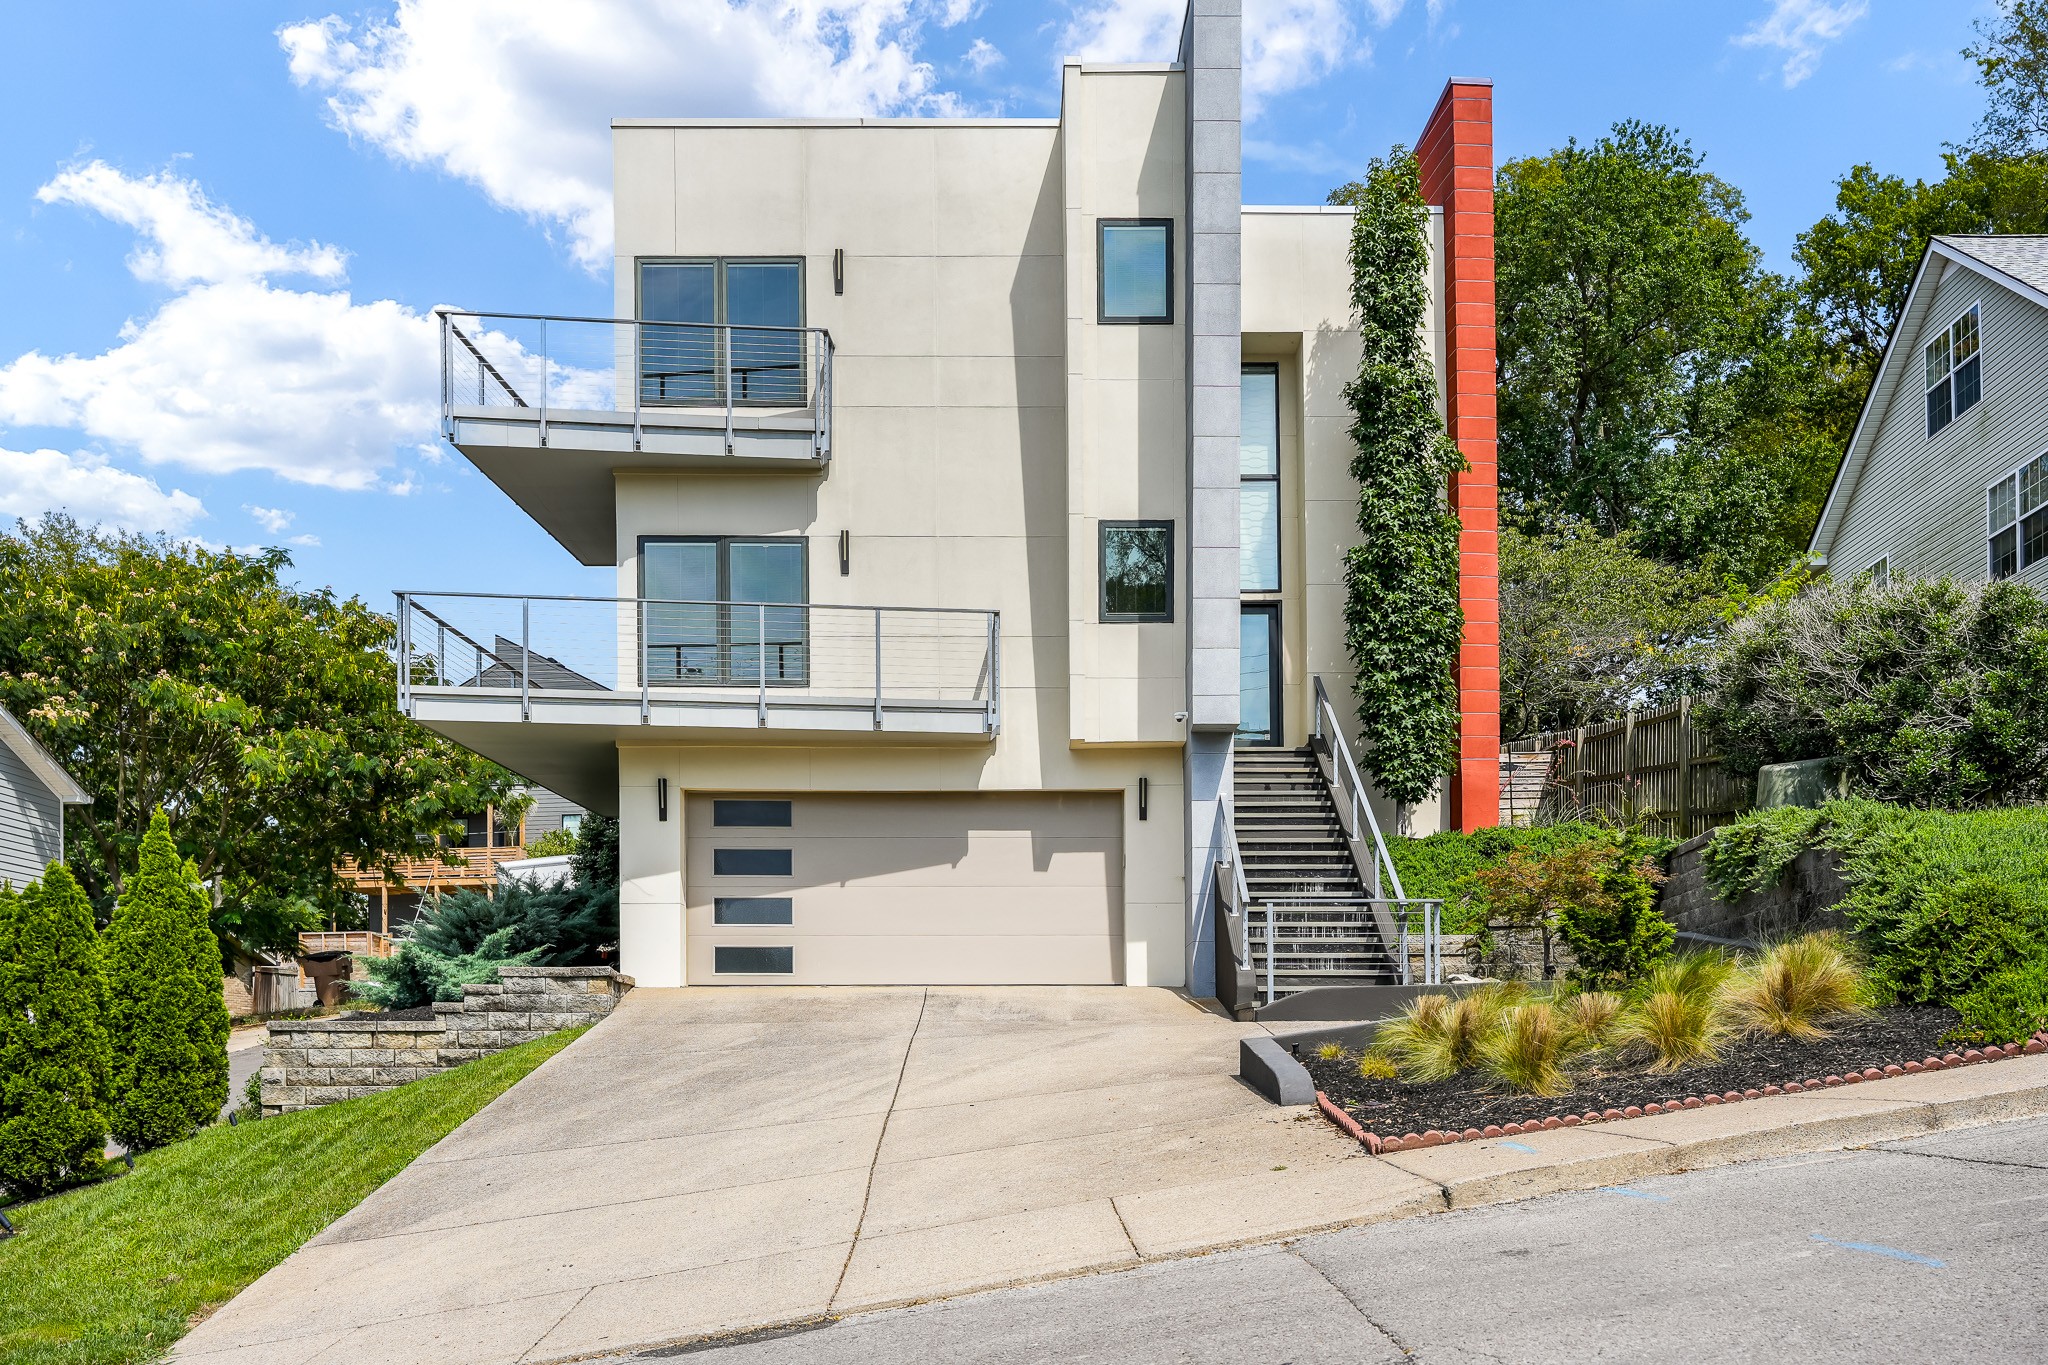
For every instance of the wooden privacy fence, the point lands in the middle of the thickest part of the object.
(1651, 769)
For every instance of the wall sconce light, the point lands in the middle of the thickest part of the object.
(1144, 797)
(661, 798)
(839, 270)
(845, 553)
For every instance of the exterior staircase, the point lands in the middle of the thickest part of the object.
(1303, 884)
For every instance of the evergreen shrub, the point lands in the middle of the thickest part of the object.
(54, 1057)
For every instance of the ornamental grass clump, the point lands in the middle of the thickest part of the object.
(1377, 1066)
(1527, 1047)
(1591, 1016)
(1798, 988)
(1331, 1052)
(1438, 1037)
(1680, 1019)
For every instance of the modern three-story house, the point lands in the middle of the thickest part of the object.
(976, 488)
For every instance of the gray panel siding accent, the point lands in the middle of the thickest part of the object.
(1212, 48)
(31, 822)
(1920, 502)
(547, 811)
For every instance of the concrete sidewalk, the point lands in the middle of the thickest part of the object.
(708, 1162)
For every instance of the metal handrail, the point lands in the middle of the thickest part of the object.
(675, 368)
(1346, 766)
(1241, 892)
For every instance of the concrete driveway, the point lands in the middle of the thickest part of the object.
(712, 1160)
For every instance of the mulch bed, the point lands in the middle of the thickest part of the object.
(1469, 1104)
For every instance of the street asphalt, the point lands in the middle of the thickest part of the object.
(1932, 1249)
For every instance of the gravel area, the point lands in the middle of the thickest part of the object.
(1602, 1081)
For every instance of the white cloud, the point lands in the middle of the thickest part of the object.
(271, 519)
(187, 239)
(310, 542)
(85, 485)
(517, 96)
(1288, 44)
(1802, 30)
(983, 54)
(956, 12)
(234, 373)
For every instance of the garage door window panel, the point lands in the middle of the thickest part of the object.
(753, 910)
(751, 862)
(749, 960)
(739, 814)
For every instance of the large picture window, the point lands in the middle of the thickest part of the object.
(1134, 269)
(1258, 493)
(1954, 372)
(2016, 516)
(1137, 571)
(697, 633)
(726, 325)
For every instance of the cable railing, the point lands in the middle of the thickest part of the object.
(552, 371)
(759, 655)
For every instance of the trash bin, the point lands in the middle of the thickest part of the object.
(329, 972)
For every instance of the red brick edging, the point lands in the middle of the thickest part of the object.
(1409, 1142)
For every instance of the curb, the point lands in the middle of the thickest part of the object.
(1376, 1144)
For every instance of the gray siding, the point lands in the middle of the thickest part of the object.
(1920, 502)
(547, 811)
(31, 822)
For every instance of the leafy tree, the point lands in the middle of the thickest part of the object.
(166, 1072)
(2012, 66)
(1589, 628)
(54, 1059)
(1928, 693)
(1650, 380)
(1403, 621)
(167, 675)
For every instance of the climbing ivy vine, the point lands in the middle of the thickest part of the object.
(1402, 618)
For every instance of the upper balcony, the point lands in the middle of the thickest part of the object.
(549, 408)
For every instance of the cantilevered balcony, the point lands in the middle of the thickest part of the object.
(550, 408)
(505, 674)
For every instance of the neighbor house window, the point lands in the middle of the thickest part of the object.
(1258, 491)
(709, 618)
(1137, 571)
(1134, 268)
(1954, 369)
(572, 823)
(720, 325)
(2017, 518)
(1879, 575)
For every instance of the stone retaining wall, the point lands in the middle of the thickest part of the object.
(1806, 898)
(311, 1062)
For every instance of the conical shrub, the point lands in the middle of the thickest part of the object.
(209, 1018)
(161, 1077)
(54, 1057)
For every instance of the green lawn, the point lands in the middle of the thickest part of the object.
(114, 1273)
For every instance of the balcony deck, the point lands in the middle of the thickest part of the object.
(550, 408)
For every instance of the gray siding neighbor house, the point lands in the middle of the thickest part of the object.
(34, 790)
(1947, 472)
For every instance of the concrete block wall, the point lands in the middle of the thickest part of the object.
(1808, 897)
(311, 1062)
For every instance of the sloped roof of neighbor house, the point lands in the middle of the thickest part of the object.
(41, 762)
(2020, 263)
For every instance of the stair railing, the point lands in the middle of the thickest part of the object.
(1236, 984)
(1353, 800)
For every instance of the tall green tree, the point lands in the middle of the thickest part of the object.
(1403, 621)
(168, 675)
(1649, 376)
(2012, 65)
(54, 1059)
(167, 1069)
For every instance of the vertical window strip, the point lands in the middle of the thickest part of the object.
(1953, 371)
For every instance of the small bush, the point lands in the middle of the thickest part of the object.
(1526, 1047)
(1679, 1020)
(2011, 1006)
(555, 843)
(1753, 853)
(1438, 1037)
(1591, 1017)
(565, 925)
(1331, 1052)
(1797, 988)
(1377, 1066)
(1953, 939)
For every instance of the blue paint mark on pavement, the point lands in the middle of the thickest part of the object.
(1876, 1250)
(1627, 1193)
(1520, 1147)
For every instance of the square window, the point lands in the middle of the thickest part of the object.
(1137, 571)
(752, 910)
(751, 862)
(750, 961)
(572, 823)
(1134, 259)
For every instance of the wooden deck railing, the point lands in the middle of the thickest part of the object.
(473, 866)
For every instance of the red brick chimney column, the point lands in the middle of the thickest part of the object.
(1455, 155)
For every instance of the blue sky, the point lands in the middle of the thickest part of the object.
(222, 226)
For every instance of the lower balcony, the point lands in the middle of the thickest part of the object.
(536, 682)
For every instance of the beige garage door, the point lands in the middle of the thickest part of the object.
(888, 889)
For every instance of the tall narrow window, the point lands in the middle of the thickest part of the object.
(1954, 371)
(2017, 518)
(1258, 463)
(724, 326)
(1137, 571)
(1134, 267)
